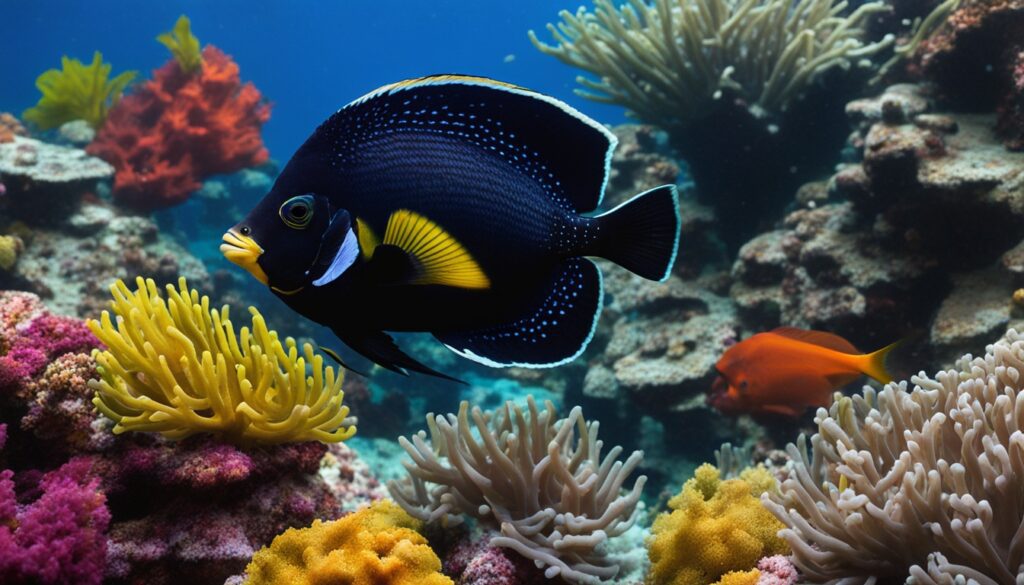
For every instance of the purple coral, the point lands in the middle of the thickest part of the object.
(476, 563)
(59, 538)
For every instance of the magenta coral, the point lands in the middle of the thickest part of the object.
(30, 347)
(59, 538)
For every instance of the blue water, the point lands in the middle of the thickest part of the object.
(308, 57)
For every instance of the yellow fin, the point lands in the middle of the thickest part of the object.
(440, 258)
(368, 240)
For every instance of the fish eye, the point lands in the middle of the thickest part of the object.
(297, 212)
(743, 385)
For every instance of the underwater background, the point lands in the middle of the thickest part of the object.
(826, 387)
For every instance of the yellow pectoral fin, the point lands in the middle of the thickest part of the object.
(439, 257)
(368, 240)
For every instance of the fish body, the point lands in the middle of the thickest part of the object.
(788, 370)
(453, 205)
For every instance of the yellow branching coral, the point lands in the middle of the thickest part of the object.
(77, 92)
(183, 45)
(716, 530)
(377, 544)
(176, 367)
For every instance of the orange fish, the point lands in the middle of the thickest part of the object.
(788, 370)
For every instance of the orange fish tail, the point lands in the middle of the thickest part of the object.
(873, 364)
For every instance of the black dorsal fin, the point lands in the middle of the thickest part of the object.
(566, 152)
(819, 338)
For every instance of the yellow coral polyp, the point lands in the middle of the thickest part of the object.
(376, 544)
(176, 367)
(717, 530)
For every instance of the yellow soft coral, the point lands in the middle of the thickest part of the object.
(183, 45)
(377, 544)
(77, 92)
(740, 578)
(715, 527)
(177, 368)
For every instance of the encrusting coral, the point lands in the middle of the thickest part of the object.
(177, 367)
(716, 532)
(77, 92)
(541, 479)
(376, 544)
(923, 483)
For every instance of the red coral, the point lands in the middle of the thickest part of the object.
(181, 128)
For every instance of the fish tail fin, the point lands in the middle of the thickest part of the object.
(642, 234)
(874, 363)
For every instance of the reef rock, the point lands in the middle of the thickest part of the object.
(976, 310)
(824, 270)
(935, 202)
(71, 266)
(44, 182)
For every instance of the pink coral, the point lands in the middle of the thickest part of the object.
(59, 538)
(31, 345)
(777, 570)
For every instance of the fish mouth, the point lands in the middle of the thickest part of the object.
(243, 251)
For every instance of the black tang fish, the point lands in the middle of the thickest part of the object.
(452, 204)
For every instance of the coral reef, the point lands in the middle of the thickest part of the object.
(180, 128)
(57, 538)
(377, 544)
(752, 67)
(35, 172)
(177, 367)
(77, 91)
(189, 511)
(890, 259)
(716, 530)
(979, 33)
(72, 263)
(540, 479)
(920, 480)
